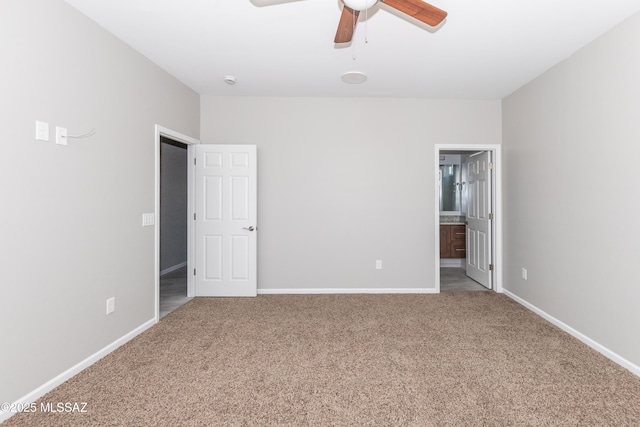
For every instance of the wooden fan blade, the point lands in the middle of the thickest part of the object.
(418, 9)
(347, 25)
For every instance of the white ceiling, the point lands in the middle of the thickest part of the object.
(485, 49)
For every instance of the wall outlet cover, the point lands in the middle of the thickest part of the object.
(61, 135)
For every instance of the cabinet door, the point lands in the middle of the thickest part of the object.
(458, 246)
(445, 243)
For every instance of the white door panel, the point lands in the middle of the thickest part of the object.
(478, 223)
(226, 213)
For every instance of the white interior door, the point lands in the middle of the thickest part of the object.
(226, 213)
(478, 171)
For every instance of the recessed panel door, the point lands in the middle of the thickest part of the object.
(478, 173)
(226, 227)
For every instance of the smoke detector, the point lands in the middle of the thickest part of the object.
(230, 80)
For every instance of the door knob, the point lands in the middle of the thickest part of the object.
(250, 228)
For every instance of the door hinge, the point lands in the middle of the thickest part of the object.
(490, 165)
(194, 160)
(194, 217)
(491, 216)
(490, 267)
(194, 271)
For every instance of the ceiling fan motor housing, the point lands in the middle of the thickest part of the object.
(418, 9)
(360, 4)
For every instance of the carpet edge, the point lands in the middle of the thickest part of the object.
(606, 352)
(40, 391)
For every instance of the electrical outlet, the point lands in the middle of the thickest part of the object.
(379, 264)
(111, 305)
(524, 273)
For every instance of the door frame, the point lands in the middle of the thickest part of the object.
(496, 232)
(191, 185)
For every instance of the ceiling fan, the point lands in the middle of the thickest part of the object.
(417, 9)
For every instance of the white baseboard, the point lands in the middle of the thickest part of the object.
(450, 262)
(173, 268)
(64, 376)
(74, 370)
(298, 291)
(632, 367)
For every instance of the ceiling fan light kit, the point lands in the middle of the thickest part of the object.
(360, 5)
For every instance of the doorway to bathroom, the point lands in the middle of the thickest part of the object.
(468, 223)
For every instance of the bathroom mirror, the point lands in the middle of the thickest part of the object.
(450, 189)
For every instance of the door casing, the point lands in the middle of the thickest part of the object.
(190, 143)
(496, 233)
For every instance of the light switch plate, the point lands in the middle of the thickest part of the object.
(42, 131)
(61, 135)
(148, 219)
(111, 305)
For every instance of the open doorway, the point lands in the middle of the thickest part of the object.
(173, 214)
(468, 223)
(173, 225)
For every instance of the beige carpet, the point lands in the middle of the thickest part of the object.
(460, 358)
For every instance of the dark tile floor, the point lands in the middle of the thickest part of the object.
(455, 279)
(173, 291)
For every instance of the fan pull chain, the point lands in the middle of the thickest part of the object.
(366, 26)
(353, 45)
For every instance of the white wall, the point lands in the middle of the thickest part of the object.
(173, 206)
(568, 219)
(70, 221)
(344, 182)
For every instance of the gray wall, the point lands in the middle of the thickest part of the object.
(344, 182)
(565, 221)
(173, 206)
(70, 222)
